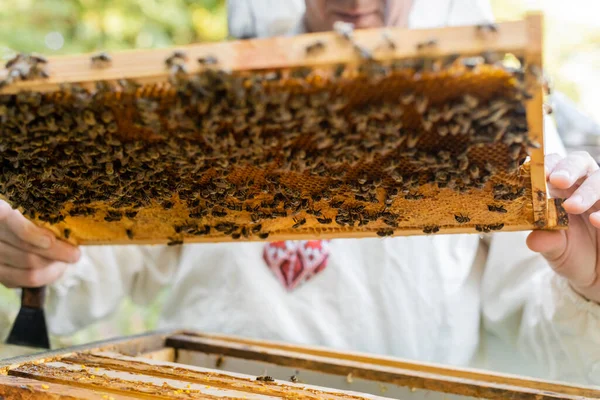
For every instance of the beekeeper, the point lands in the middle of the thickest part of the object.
(455, 299)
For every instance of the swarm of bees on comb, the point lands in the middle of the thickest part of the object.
(418, 145)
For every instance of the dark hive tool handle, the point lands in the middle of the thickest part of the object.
(29, 328)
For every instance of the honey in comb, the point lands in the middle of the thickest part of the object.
(380, 148)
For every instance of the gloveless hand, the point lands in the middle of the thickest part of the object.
(574, 253)
(30, 256)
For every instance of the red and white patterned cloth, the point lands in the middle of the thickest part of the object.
(295, 262)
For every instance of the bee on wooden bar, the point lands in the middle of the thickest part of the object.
(315, 47)
(265, 378)
(362, 52)
(489, 27)
(496, 227)
(101, 60)
(462, 219)
(499, 209)
(263, 235)
(174, 242)
(129, 233)
(385, 232)
(344, 29)
(482, 228)
(427, 44)
(66, 233)
(178, 57)
(112, 216)
(387, 39)
(207, 60)
(431, 229)
(324, 220)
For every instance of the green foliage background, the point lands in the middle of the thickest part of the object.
(91, 25)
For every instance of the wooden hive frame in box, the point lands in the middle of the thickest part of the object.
(347, 134)
(192, 365)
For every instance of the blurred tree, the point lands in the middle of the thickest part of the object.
(75, 26)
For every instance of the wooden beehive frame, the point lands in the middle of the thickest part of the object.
(167, 357)
(522, 38)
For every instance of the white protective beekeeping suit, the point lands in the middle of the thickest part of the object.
(455, 299)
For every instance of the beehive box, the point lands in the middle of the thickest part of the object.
(193, 365)
(340, 134)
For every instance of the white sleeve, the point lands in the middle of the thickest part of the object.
(93, 288)
(470, 12)
(535, 323)
(263, 18)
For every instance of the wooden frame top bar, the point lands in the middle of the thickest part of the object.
(147, 66)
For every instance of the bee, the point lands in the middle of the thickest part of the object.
(474, 171)
(421, 103)
(496, 227)
(113, 216)
(315, 47)
(263, 235)
(129, 233)
(362, 52)
(490, 168)
(67, 233)
(207, 60)
(101, 60)
(336, 203)
(387, 39)
(489, 27)
(414, 196)
(298, 222)
(514, 151)
(344, 29)
(324, 220)
(174, 242)
(385, 232)
(499, 209)
(236, 235)
(454, 129)
(442, 130)
(533, 144)
(431, 229)
(412, 139)
(176, 58)
(462, 219)
(217, 213)
(294, 379)
(427, 44)
(407, 98)
(265, 378)
(541, 195)
(470, 101)
(483, 228)
(10, 63)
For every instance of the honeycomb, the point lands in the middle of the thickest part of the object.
(374, 148)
